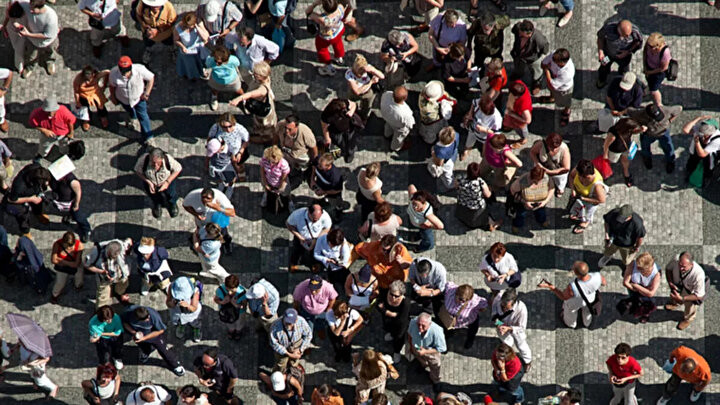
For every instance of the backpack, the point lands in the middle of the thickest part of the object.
(76, 150)
(673, 67)
(229, 313)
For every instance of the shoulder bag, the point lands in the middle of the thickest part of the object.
(596, 306)
(447, 318)
(512, 281)
(97, 23)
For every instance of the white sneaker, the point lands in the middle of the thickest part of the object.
(694, 396)
(604, 261)
(118, 364)
(564, 20)
(662, 401)
(144, 290)
(396, 358)
(339, 61)
(263, 202)
(388, 337)
(214, 104)
(179, 371)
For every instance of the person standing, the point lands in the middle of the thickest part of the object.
(428, 279)
(89, 93)
(474, 200)
(147, 330)
(642, 279)
(148, 394)
(66, 256)
(443, 156)
(399, 52)
(656, 59)
(24, 196)
(6, 76)
(398, 116)
(207, 242)
(688, 282)
(253, 48)
(224, 74)
(372, 371)
(657, 120)
(6, 168)
(616, 42)
(553, 155)
(529, 48)
(152, 264)
(290, 336)
(344, 323)
(237, 139)
(624, 232)
(297, 142)
(206, 204)
(421, 211)
(426, 341)
(369, 193)
(388, 258)
(41, 36)
(508, 372)
(588, 191)
(306, 225)
(105, 387)
(500, 269)
(263, 302)
(509, 315)
(704, 147)
(623, 94)
(361, 78)
(183, 300)
(274, 175)
(105, 22)
(189, 38)
(158, 171)
(482, 120)
(55, 123)
(218, 373)
(330, 33)
(231, 298)
(130, 86)
(532, 192)
(341, 127)
(67, 195)
(690, 366)
(486, 36)
(106, 330)
(312, 298)
(395, 310)
(623, 373)
(108, 261)
(445, 29)
(15, 17)
(333, 253)
(461, 310)
(156, 19)
(559, 72)
(429, 10)
(568, 5)
(579, 296)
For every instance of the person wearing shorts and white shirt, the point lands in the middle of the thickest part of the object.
(559, 72)
(573, 301)
(149, 394)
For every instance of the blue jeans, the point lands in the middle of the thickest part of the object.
(518, 394)
(316, 322)
(568, 5)
(166, 198)
(81, 218)
(427, 239)
(140, 113)
(665, 143)
(519, 220)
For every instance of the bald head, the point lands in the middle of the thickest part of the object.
(688, 366)
(625, 28)
(315, 212)
(580, 268)
(400, 94)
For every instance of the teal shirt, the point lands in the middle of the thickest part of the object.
(97, 328)
(434, 337)
(225, 73)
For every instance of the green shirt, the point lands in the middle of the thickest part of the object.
(97, 328)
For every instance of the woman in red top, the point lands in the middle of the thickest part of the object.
(518, 113)
(623, 371)
(497, 78)
(66, 256)
(507, 372)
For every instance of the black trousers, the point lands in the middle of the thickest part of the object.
(158, 343)
(342, 352)
(109, 349)
(429, 303)
(471, 331)
(22, 212)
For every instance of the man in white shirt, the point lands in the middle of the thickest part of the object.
(252, 48)
(41, 34)
(559, 72)
(574, 300)
(509, 315)
(106, 23)
(204, 203)
(686, 279)
(398, 116)
(130, 86)
(306, 225)
(109, 262)
(6, 76)
(705, 145)
(150, 394)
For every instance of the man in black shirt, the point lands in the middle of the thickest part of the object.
(624, 231)
(326, 181)
(217, 372)
(147, 330)
(25, 195)
(67, 193)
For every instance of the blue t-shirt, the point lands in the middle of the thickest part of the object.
(154, 323)
(97, 328)
(447, 152)
(225, 73)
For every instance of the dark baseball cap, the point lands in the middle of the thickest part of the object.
(654, 112)
(315, 282)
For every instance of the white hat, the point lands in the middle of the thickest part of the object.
(278, 381)
(255, 292)
(146, 249)
(628, 81)
(61, 167)
(212, 11)
(434, 90)
(153, 3)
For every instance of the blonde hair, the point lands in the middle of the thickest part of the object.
(273, 154)
(326, 157)
(359, 63)
(645, 261)
(146, 240)
(372, 170)
(262, 69)
(447, 135)
(656, 39)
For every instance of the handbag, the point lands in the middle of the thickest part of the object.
(97, 23)
(596, 306)
(603, 166)
(312, 26)
(259, 108)
(448, 319)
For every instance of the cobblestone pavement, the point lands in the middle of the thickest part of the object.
(677, 217)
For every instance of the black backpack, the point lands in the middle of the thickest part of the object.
(673, 67)
(76, 150)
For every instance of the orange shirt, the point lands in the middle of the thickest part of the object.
(701, 374)
(385, 270)
(316, 399)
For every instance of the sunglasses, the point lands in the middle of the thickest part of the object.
(396, 295)
(227, 126)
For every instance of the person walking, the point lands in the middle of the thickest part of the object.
(688, 286)
(559, 72)
(224, 75)
(656, 60)
(619, 145)
(624, 232)
(330, 31)
(461, 310)
(529, 48)
(623, 373)
(688, 365)
(66, 197)
(41, 36)
(443, 156)
(147, 330)
(106, 330)
(508, 372)
(398, 116)
(579, 296)
(54, 122)
(616, 43)
(509, 315)
(657, 120)
(290, 336)
(207, 243)
(130, 86)
(209, 205)
(105, 21)
(218, 373)
(704, 147)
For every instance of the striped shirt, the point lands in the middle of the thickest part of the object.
(274, 172)
(470, 310)
(282, 339)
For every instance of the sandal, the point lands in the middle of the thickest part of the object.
(564, 119)
(546, 99)
(578, 229)
(629, 181)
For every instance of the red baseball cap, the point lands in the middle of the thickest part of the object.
(125, 62)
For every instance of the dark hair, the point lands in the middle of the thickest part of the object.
(142, 313)
(504, 351)
(423, 196)
(412, 398)
(329, 5)
(145, 394)
(379, 399)
(510, 295)
(498, 248)
(623, 348)
(292, 119)
(553, 140)
(68, 239)
(383, 212)
(487, 106)
(561, 55)
(626, 126)
(526, 26)
(423, 266)
(88, 69)
(35, 4)
(328, 390)
(105, 370)
(38, 176)
(517, 88)
(457, 50)
(105, 313)
(15, 10)
(232, 281)
(190, 391)
(574, 395)
(537, 173)
(211, 352)
(214, 232)
(336, 236)
(221, 53)
(336, 106)
(585, 167)
(473, 171)
(388, 241)
(247, 32)
(498, 141)
(207, 192)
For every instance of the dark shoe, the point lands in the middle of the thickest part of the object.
(173, 211)
(600, 84)
(54, 300)
(144, 358)
(125, 41)
(670, 167)
(647, 161)
(156, 211)
(629, 181)
(349, 158)
(228, 248)
(469, 344)
(84, 237)
(38, 158)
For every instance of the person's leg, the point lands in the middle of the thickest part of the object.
(586, 316)
(537, 75)
(627, 255)
(671, 386)
(427, 239)
(610, 250)
(398, 138)
(519, 220)
(569, 316)
(604, 72)
(130, 111)
(119, 287)
(296, 252)
(540, 215)
(629, 394)
(625, 163)
(690, 311)
(323, 50)
(667, 146)
(433, 362)
(523, 348)
(624, 64)
(82, 221)
(471, 332)
(116, 345)
(142, 115)
(170, 195)
(103, 350)
(96, 37)
(447, 178)
(60, 281)
(103, 294)
(45, 144)
(645, 144)
(159, 344)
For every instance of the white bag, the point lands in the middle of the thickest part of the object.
(435, 170)
(82, 113)
(446, 108)
(606, 120)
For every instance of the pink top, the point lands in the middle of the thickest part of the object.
(494, 158)
(314, 304)
(654, 60)
(275, 172)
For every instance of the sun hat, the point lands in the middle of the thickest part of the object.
(181, 289)
(212, 11)
(255, 292)
(50, 104)
(434, 90)
(628, 81)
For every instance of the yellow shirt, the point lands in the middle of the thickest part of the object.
(584, 190)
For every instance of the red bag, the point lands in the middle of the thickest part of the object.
(603, 166)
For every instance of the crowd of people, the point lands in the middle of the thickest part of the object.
(486, 91)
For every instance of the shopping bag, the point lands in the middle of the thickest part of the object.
(696, 177)
(603, 166)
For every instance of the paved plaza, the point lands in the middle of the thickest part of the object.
(676, 216)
